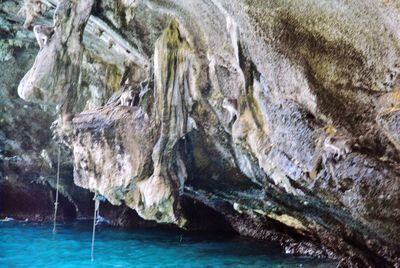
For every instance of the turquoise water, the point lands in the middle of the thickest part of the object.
(34, 245)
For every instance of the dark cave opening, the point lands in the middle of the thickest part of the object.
(67, 210)
(203, 218)
(34, 202)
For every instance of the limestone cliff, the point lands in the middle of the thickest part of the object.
(237, 105)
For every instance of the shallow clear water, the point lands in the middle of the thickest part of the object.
(34, 245)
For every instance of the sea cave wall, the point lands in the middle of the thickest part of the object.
(234, 105)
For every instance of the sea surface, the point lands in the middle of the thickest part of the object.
(34, 245)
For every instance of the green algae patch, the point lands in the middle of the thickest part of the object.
(113, 77)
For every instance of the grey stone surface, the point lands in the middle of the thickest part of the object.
(300, 71)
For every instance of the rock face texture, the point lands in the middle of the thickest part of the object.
(282, 116)
(28, 156)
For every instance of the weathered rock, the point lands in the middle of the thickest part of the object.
(297, 71)
(54, 76)
(28, 156)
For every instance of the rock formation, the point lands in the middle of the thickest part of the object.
(297, 71)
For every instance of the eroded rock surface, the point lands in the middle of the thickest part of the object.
(295, 73)
(28, 156)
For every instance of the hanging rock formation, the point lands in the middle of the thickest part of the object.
(281, 116)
